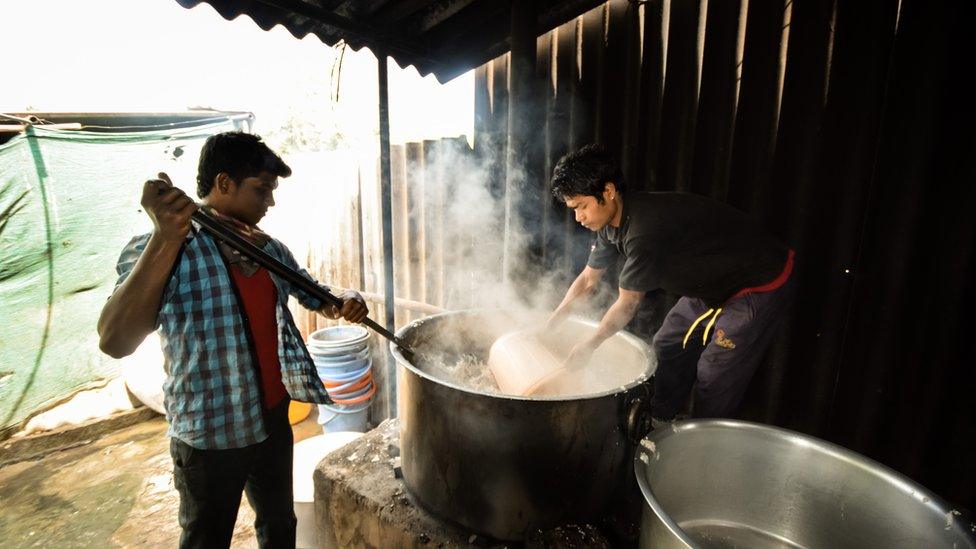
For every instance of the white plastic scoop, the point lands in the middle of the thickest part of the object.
(533, 362)
(523, 364)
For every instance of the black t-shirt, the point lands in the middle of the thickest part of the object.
(687, 245)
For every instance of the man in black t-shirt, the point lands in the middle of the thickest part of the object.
(734, 279)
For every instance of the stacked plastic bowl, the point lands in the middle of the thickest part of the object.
(342, 359)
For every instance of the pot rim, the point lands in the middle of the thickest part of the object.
(630, 338)
(908, 486)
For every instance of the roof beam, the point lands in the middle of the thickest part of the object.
(375, 37)
(438, 12)
(393, 12)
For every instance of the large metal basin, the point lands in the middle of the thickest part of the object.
(503, 465)
(736, 484)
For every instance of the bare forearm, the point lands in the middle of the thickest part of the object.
(130, 314)
(616, 317)
(576, 291)
(581, 288)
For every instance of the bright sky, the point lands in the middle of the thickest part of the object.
(154, 55)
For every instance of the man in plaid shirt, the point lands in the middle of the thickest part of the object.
(234, 357)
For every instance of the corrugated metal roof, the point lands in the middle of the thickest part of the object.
(443, 37)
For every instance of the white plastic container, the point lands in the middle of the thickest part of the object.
(308, 454)
(523, 365)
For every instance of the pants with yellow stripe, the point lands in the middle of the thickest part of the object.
(714, 350)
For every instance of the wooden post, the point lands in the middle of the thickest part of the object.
(386, 208)
(521, 204)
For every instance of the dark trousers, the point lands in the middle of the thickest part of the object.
(210, 483)
(719, 367)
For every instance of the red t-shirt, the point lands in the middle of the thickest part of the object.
(259, 297)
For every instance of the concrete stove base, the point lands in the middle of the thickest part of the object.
(359, 502)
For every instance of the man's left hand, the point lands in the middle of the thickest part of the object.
(353, 308)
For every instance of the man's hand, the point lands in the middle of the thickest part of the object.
(168, 207)
(580, 356)
(353, 308)
(132, 310)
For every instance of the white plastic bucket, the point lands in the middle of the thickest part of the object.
(341, 417)
(338, 340)
(308, 454)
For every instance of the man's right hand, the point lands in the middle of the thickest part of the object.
(168, 207)
(133, 309)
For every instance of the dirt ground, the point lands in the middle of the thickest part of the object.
(114, 492)
(117, 491)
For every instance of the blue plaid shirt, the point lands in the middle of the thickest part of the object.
(212, 389)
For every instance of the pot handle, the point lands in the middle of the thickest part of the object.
(638, 417)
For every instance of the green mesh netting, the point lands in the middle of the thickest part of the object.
(69, 201)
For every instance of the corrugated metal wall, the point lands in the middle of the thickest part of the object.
(437, 256)
(846, 128)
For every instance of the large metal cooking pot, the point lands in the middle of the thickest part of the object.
(504, 465)
(736, 484)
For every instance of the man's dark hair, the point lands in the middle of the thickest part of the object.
(586, 172)
(240, 155)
